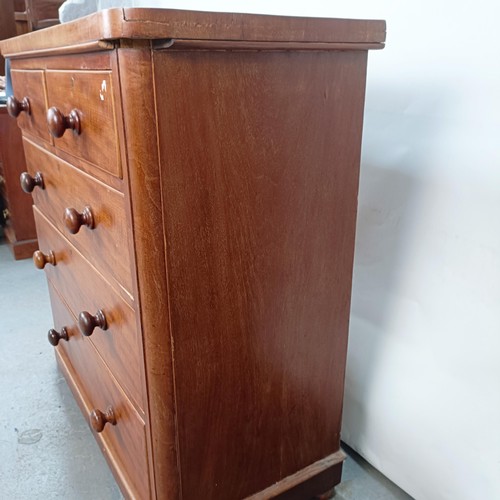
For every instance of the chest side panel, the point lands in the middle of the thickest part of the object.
(260, 162)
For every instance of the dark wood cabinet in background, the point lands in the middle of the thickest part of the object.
(7, 26)
(31, 15)
(196, 225)
(17, 206)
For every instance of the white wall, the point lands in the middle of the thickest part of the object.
(422, 397)
(423, 383)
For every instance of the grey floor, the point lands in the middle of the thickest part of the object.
(46, 448)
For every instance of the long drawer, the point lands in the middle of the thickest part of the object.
(66, 187)
(124, 444)
(85, 290)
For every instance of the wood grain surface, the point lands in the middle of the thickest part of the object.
(260, 194)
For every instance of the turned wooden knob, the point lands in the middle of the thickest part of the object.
(41, 259)
(58, 123)
(15, 107)
(29, 183)
(74, 220)
(87, 322)
(98, 419)
(54, 336)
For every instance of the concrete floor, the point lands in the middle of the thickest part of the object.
(46, 448)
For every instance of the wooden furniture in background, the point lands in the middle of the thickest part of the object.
(7, 26)
(33, 15)
(7, 30)
(17, 211)
(196, 207)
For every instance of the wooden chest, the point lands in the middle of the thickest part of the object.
(195, 181)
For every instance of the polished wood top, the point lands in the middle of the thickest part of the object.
(158, 24)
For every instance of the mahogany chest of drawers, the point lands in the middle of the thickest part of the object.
(195, 180)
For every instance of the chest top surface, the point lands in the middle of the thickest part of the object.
(161, 24)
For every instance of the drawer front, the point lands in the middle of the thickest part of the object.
(124, 444)
(31, 84)
(84, 289)
(105, 246)
(91, 94)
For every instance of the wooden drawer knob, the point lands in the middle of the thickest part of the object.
(98, 419)
(55, 336)
(15, 107)
(87, 323)
(42, 259)
(29, 183)
(74, 220)
(58, 123)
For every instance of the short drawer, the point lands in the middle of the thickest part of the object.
(124, 444)
(85, 290)
(30, 85)
(90, 95)
(105, 245)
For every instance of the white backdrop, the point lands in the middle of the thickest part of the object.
(423, 382)
(422, 399)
